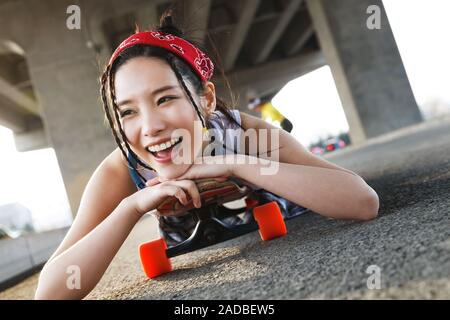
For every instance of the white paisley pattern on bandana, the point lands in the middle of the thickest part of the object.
(198, 60)
(161, 36)
(177, 47)
(204, 64)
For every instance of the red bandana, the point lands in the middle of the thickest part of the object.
(182, 48)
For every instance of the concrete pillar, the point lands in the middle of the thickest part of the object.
(65, 76)
(366, 65)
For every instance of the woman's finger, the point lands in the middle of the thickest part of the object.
(152, 182)
(162, 179)
(181, 196)
(177, 192)
(192, 189)
(189, 187)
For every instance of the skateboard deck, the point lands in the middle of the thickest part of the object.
(211, 192)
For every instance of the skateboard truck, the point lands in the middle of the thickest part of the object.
(209, 229)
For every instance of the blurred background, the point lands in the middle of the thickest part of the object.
(340, 73)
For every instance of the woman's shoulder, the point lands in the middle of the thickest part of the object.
(115, 160)
(245, 120)
(108, 185)
(116, 166)
(251, 121)
(219, 120)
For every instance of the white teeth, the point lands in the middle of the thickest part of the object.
(163, 146)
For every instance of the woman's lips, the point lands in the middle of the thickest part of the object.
(166, 155)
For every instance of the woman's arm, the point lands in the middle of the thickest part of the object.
(109, 209)
(295, 174)
(331, 193)
(100, 209)
(91, 256)
(309, 180)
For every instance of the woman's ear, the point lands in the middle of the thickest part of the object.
(209, 98)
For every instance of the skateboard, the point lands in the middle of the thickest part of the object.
(209, 230)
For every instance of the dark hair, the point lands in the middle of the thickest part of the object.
(182, 71)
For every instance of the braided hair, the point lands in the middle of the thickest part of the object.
(183, 73)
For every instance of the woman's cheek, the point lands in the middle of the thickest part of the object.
(131, 132)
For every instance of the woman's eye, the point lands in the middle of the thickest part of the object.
(125, 113)
(164, 99)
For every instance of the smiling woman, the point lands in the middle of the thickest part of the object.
(148, 116)
(161, 105)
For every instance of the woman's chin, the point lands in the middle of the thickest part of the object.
(173, 171)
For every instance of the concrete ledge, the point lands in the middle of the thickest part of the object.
(433, 122)
(23, 256)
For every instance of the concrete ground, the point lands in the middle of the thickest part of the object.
(321, 258)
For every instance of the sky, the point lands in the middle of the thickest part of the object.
(33, 179)
(313, 113)
(421, 29)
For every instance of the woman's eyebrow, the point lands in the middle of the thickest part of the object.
(155, 92)
(162, 89)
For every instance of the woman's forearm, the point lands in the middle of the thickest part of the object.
(90, 256)
(331, 193)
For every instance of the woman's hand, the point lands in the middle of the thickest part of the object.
(219, 167)
(156, 192)
(159, 188)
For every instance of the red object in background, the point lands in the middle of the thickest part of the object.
(330, 145)
(334, 144)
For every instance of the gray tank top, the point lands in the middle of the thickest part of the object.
(226, 135)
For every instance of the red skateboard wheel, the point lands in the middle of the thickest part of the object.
(270, 221)
(154, 260)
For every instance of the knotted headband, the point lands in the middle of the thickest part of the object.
(198, 60)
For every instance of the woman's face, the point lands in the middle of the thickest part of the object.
(152, 105)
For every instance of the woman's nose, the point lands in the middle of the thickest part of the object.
(152, 124)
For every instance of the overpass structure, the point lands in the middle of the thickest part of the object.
(49, 73)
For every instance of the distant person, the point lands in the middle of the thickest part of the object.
(270, 114)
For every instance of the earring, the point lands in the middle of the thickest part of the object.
(205, 132)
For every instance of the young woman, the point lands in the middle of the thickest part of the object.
(155, 90)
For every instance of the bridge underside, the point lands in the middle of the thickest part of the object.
(49, 89)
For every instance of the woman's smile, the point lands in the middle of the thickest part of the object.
(165, 152)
